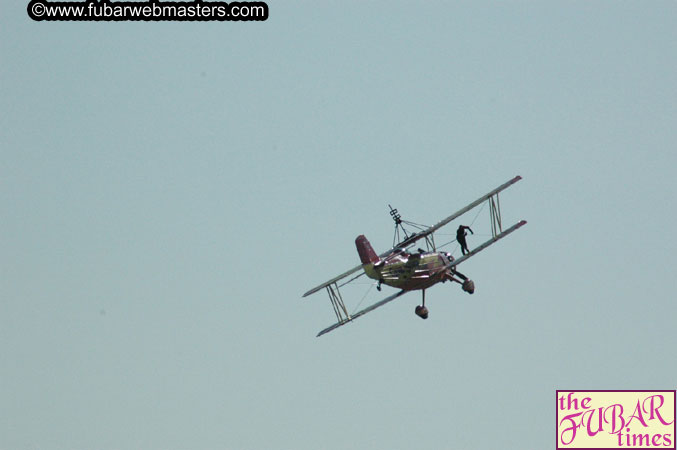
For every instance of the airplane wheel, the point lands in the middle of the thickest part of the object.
(421, 311)
(468, 286)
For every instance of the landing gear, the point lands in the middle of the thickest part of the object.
(378, 286)
(467, 285)
(421, 311)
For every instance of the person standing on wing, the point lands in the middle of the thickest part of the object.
(460, 237)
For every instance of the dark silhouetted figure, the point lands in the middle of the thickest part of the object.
(460, 237)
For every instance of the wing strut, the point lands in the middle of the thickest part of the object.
(495, 213)
(360, 313)
(337, 303)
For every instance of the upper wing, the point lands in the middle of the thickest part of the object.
(416, 236)
(333, 280)
(343, 275)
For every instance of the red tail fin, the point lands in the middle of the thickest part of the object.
(367, 254)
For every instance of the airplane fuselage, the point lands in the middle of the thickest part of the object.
(411, 271)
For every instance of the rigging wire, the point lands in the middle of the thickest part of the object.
(363, 297)
(352, 279)
(471, 224)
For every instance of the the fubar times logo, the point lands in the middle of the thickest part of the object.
(606, 420)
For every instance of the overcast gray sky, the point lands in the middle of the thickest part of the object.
(169, 191)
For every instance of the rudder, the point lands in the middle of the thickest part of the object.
(366, 252)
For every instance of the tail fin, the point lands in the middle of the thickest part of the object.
(367, 253)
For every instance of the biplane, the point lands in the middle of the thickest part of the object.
(420, 269)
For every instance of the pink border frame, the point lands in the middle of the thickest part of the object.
(674, 420)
